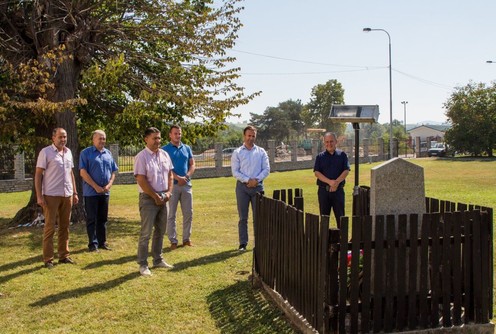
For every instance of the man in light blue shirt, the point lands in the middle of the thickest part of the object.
(184, 167)
(97, 168)
(250, 166)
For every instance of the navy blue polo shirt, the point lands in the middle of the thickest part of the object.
(331, 165)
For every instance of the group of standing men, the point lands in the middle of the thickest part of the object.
(163, 175)
(56, 193)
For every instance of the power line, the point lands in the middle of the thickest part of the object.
(358, 68)
(305, 61)
(307, 73)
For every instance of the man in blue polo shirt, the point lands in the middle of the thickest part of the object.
(184, 167)
(331, 168)
(97, 168)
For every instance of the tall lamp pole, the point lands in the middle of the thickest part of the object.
(390, 93)
(404, 103)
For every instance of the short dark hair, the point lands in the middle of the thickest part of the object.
(174, 126)
(151, 130)
(249, 127)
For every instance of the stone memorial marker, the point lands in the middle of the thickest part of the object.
(397, 187)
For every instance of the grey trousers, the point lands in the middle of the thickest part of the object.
(183, 195)
(153, 218)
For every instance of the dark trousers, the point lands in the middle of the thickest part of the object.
(96, 219)
(331, 200)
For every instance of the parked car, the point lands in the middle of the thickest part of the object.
(227, 152)
(439, 150)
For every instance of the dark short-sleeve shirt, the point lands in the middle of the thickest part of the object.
(331, 165)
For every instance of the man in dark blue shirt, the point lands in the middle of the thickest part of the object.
(331, 168)
(97, 168)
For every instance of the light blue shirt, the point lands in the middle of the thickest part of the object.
(250, 164)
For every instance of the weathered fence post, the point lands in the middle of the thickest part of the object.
(218, 155)
(19, 170)
(315, 148)
(271, 150)
(294, 150)
(114, 149)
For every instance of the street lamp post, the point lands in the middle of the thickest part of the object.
(390, 93)
(404, 103)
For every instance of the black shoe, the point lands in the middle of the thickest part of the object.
(67, 260)
(105, 246)
(93, 249)
(242, 247)
(48, 265)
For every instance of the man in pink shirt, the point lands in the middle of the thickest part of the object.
(153, 172)
(56, 193)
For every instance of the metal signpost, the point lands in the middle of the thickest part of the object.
(355, 114)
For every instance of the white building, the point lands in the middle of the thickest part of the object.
(429, 132)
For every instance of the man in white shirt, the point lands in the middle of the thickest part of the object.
(56, 193)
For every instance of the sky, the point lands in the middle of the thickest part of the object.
(286, 47)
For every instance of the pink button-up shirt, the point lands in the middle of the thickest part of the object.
(57, 175)
(155, 166)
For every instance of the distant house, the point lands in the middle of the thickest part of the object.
(429, 132)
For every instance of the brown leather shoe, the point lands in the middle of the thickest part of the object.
(67, 260)
(187, 243)
(173, 246)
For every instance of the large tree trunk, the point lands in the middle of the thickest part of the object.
(66, 85)
(65, 89)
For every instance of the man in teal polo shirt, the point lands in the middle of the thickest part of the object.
(184, 167)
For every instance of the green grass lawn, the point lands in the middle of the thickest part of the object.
(208, 291)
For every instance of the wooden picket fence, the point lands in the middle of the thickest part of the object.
(438, 272)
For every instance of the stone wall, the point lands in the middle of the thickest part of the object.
(9, 186)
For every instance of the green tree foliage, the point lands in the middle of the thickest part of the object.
(136, 64)
(317, 111)
(372, 131)
(231, 136)
(471, 110)
(280, 123)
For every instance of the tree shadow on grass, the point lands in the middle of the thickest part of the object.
(22, 263)
(5, 278)
(116, 227)
(110, 262)
(241, 309)
(76, 293)
(205, 260)
(26, 262)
